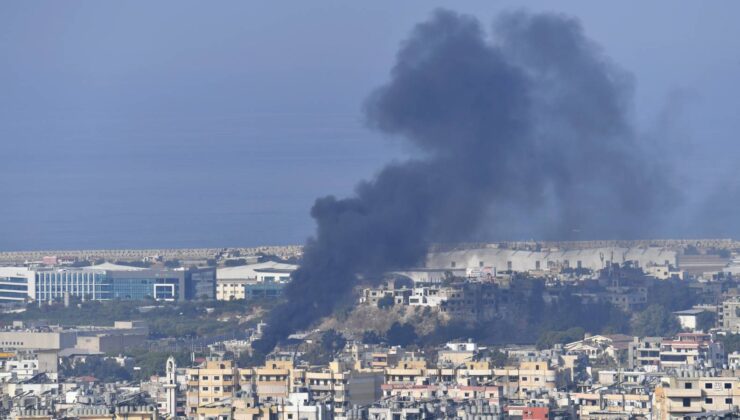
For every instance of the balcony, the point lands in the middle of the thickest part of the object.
(679, 408)
(682, 393)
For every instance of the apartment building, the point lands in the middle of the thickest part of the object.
(693, 392)
(342, 386)
(214, 381)
(612, 404)
(515, 382)
(691, 349)
(644, 353)
(728, 315)
(492, 393)
(371, 296)
(273, 380)
(469, 301)
(411, 370)
(277, 380)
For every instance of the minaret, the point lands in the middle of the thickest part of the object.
(171, 387)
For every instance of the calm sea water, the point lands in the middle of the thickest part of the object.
(166, 183)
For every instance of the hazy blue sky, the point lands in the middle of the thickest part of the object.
(190, 123)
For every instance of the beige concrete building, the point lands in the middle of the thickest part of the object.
(728, 315)
(692, 392)
(612, 404)
(214, 381)
(37, 340)
(276, 380)
(92, 413)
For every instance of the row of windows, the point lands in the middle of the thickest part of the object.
(22, 287)
(16, 295)
(55, 285)
(686, 402)
(708, 385)
(14, 280)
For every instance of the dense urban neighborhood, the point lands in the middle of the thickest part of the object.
(332, 210)
(632, 330)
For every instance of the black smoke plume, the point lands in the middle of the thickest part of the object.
(530, 120)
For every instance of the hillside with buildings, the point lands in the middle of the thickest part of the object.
(499, 330)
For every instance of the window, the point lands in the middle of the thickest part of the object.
(452, 264)
(687, 385)
(524, 378)
(708, 385)
(728, 385)
(708, 400)
(687, 402)
(728, 400)
(215, 378)
(205, 388)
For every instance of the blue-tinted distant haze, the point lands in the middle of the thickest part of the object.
(199, 124)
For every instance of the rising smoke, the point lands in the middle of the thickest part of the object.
(532, 121)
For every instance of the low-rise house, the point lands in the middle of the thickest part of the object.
(615, 346)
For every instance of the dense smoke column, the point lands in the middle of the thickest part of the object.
(600, 182)
(534, 119)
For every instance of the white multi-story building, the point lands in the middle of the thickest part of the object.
(691, 349)
(232, 282)
(497, 259)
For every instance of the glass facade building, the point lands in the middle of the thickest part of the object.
(200, 283)
(138, 288)
(269, 289)
(148, 284)
(85, 284)
(16, 285)
(21, 284)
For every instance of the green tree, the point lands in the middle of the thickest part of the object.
(370, 337)
(605, 361)
(731, 342)
(549, 338)
(332, 341)
(401, 334)
(386, 301)
(706, 321)
(498, 358)
(107, 370)
(655, 320)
